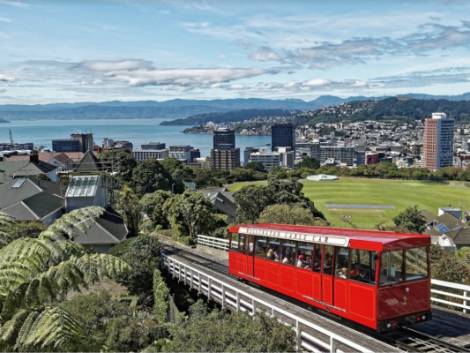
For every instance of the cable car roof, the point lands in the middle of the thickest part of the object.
(345, 237)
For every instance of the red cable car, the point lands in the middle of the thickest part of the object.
(377, 279)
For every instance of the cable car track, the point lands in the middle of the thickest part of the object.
(411, 340)
(405, 338)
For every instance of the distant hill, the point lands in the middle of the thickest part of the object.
(172, 109)
(3, 121)
(231, 116)
(402, 107)
(181, 108)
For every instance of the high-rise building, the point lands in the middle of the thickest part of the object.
(85, 140)
(247, 152)
(224, 155)
(66, 145)
(282, 135)
(224, 139)
(225, 159)
(438, 141)
(153, 146)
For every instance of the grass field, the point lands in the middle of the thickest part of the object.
(398, 193)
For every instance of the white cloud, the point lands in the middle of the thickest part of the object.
(15, 3)
(6, 78)
(317, 82)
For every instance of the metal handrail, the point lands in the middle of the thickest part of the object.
(236, 298)
(443, 293)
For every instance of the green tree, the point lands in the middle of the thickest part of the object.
(410, 220)
(447, 266)
(256, 166)
(129, 207)
(251, 201)
(218, 331)
(309, 163)
(111, 324)
(190, 214)
(142, 253)
(37, 274)
(289, 214)
(160, 297)
(150, 176)
(121, 162)
(152, 205)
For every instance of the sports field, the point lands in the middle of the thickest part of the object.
(396, 195)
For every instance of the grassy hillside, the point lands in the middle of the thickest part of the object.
(397, 193)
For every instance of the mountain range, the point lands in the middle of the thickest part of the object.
(178, 108)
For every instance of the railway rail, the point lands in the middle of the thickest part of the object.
(406, 339)
(411, 340)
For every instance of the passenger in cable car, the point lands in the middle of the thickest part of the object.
(328, 263)
(270, 254)
(300, 261)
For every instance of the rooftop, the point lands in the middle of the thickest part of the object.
(83, 186)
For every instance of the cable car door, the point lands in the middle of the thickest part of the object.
(249, 254)
(327, 273)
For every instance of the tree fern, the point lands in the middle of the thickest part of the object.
(78, 220)
(36, 273)
(51, 329)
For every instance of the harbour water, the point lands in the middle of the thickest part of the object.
(137, 131)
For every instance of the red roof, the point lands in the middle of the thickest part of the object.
(357, 238)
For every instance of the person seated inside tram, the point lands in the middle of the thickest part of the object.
(276, 256)
(328, 262)
(270, 254)
(285, 260)
(354, 273)
(300, 261)
(342, 272)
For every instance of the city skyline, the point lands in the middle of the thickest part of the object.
(118, 50)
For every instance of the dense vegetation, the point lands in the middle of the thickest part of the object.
(402, 108)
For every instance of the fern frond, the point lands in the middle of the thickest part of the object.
(52, 329)
(78, 220)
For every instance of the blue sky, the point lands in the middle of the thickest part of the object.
(70, 51)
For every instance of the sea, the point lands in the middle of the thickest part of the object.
(137, 131)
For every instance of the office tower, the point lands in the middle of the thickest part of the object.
(224, 139)
(153, 146)
(227, 159)
(438, 141)
(66, 145)
(282, 135)
(224, 155)
(85, 140)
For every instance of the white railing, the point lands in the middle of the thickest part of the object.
(213, 242)
(450, 295)
(310, 337)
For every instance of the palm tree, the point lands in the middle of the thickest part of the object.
(36, 274)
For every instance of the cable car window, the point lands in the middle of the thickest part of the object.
(250, 244)
(328, 259)
(234, 241)
(342, 262)
(316, 257)
(391, 267)
(261, 248)
(242, 242)
(274, 250)
(288, 252)
(304, 256)
(416, 263)
(363, 266)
